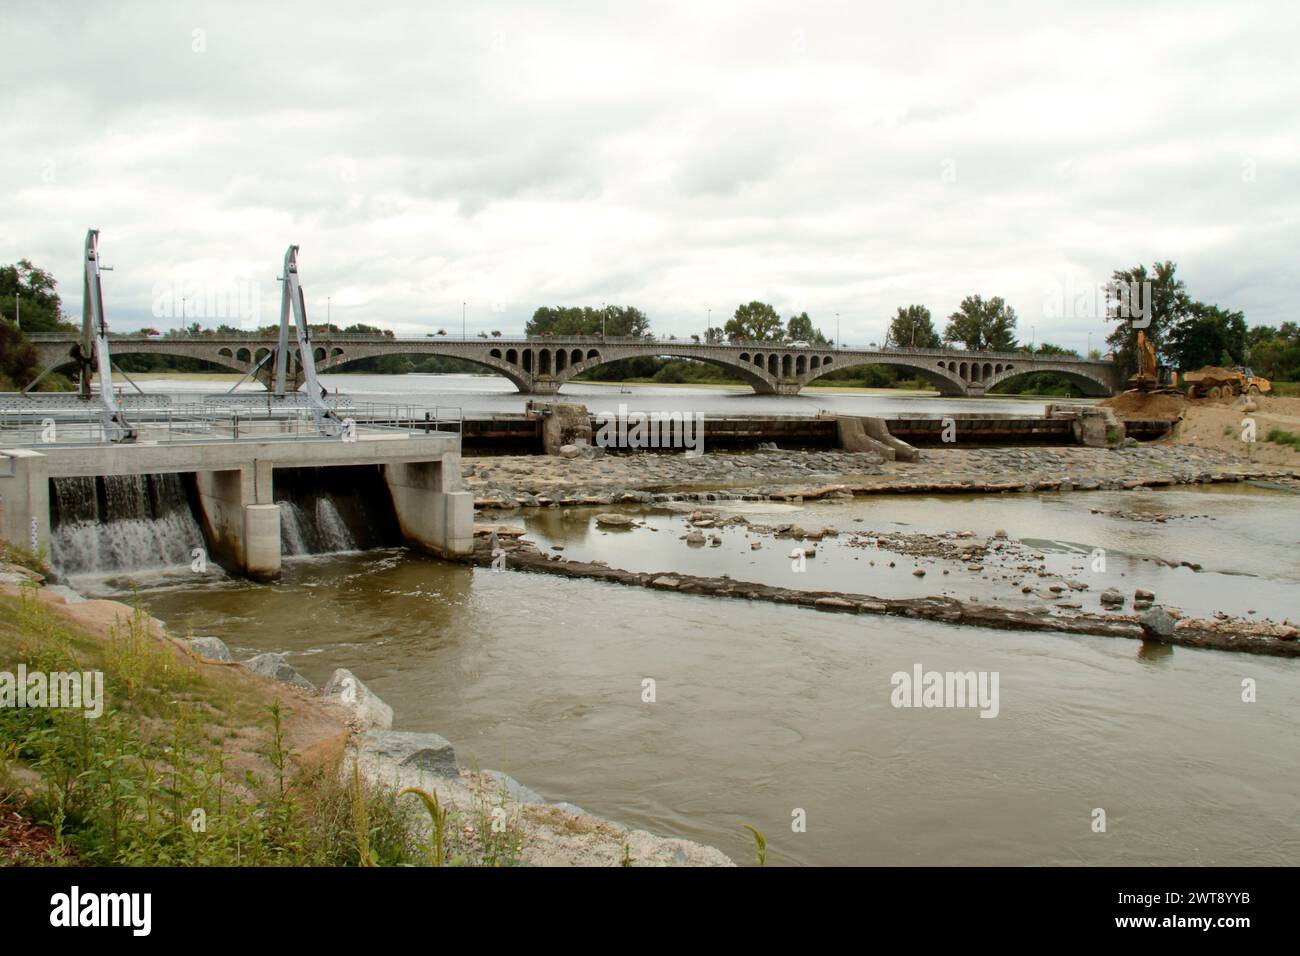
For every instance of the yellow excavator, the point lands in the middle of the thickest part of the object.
(1151, 375)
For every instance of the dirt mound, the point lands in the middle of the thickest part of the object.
(1146, 406)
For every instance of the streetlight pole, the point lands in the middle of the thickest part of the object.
(838, 344)
(183, 298)
(327, 310)
(462, 321)
(18, 311)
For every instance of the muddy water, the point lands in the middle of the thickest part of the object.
(762, 710)
(1243, 539)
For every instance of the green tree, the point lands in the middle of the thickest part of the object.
(714, 335)
(1168, 305)
(624, 320)
(912, 327)
(799, 328)
(981, 325)
(1208, 336)
(41, 309)
(756, 321)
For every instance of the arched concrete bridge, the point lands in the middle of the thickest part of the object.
(540, 365)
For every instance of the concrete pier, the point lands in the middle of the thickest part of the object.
(24, 499)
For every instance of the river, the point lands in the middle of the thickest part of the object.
(763, 710)
(483, 395)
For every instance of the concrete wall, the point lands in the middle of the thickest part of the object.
(244, 535)
(25, 498)
(432, 510)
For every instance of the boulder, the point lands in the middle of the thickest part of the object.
(213, 648)
(427, 752)
(346, 690)
(1112, 598)
(515, 790)
(276, 667)
(612, 520)
(1158, 624)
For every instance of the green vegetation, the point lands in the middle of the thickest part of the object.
(188, 765)
(760, 842)
(979, 325)
(29, 303)
(1279, 437)
(913, 328)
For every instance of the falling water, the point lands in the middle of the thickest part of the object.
(334, 533)
(332, 510)
(122, 522)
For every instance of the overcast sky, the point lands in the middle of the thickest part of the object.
(844, 158)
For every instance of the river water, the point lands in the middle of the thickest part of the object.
(763, 710)
(482, 395)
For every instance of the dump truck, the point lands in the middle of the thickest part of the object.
(1215, 382)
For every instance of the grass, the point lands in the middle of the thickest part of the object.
(1279, 437)
(24, 557)
(159, 778)
(1286, 389)
(151, 782)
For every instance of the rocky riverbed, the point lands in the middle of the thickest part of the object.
(538, 481)
(1148, 621)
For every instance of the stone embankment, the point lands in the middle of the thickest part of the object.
(534, 481)
(1150, 623)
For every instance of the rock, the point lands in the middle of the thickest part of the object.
(345, 689)
(1158, 624)
(1112, 598)
(515, 790)
(834, 604)
(999, 534)
(612, 520)
(1141, 594)
(276, 667)
(918, 572)
(213, 648)
(569, 451)
(695, 537)
(665, 583)
(68, 594)
(755, 545)
(427, 752)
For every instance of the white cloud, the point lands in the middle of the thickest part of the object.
(679, 157)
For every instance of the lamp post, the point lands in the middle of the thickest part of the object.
(462, 321)
(18, 311)
(183, 298)
(838, 343)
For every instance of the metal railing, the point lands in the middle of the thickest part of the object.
(195, 422)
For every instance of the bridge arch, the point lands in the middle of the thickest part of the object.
(340, 358)
(941, 376)
(1094, 387)
(751, 373)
